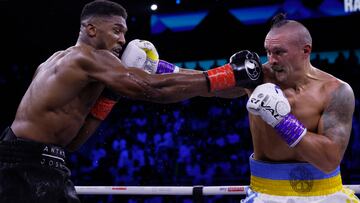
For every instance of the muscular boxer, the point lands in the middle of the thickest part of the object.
(300, 121)
(66, 102)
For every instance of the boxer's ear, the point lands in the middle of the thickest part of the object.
(90, 29)
(307, 49)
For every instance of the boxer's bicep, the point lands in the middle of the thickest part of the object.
(336, 121)
(136, 84)
(104, 67)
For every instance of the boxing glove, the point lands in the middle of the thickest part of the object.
(269, 102)
(104, 104)
(142, 54)
(244, 70)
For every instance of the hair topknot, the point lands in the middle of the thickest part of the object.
(279, 20)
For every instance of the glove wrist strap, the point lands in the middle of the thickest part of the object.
(102, 108)
(291, 130)
(221, 78)
(166, 67)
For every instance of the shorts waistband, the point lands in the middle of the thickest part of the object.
(17, 151)
(292, 179)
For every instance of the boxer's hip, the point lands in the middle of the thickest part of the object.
(33, 172)
(15, 151)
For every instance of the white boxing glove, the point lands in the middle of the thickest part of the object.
(142, 54)
(269, 102)
(148, 47)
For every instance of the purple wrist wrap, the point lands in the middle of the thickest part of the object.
(165, 67)
(290, 129)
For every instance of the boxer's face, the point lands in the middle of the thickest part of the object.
(110, 33)
(283, 53)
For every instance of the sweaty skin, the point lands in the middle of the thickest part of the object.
(55, 108)
(323, 103)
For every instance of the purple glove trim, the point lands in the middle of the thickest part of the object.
(290, 129)
(165, 67)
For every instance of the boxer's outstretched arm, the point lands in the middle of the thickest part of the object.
(326, 149)
(162, 88)
(234, 92)
(135, 83)
(243, 70)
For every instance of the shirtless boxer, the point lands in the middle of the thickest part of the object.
(66, 102)
(300, 121)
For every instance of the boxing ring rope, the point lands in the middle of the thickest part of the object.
(171, 190)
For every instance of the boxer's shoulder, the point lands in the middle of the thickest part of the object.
(324, 84)
(81, 57)
(331, 85)
(338, 94)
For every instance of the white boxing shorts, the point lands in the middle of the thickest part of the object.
(295, 183)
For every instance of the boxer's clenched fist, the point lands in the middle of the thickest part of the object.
(269, 102)
(243, 70)
(143, 54)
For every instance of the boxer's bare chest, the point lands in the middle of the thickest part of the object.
(307, 106)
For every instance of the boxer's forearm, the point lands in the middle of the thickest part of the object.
(320, 151)
(169, 88)
(227, 94)
(189, 71)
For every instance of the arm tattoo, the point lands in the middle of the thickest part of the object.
(337, 117)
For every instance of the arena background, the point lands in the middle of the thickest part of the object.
(200, 141)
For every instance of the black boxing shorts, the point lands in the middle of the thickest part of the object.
(32, 172)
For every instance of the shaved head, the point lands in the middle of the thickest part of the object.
(300, 33)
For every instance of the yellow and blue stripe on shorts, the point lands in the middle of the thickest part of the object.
(292, 179)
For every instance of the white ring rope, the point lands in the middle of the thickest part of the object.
(170, 190)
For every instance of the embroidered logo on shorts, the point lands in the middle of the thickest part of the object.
(301, 179)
